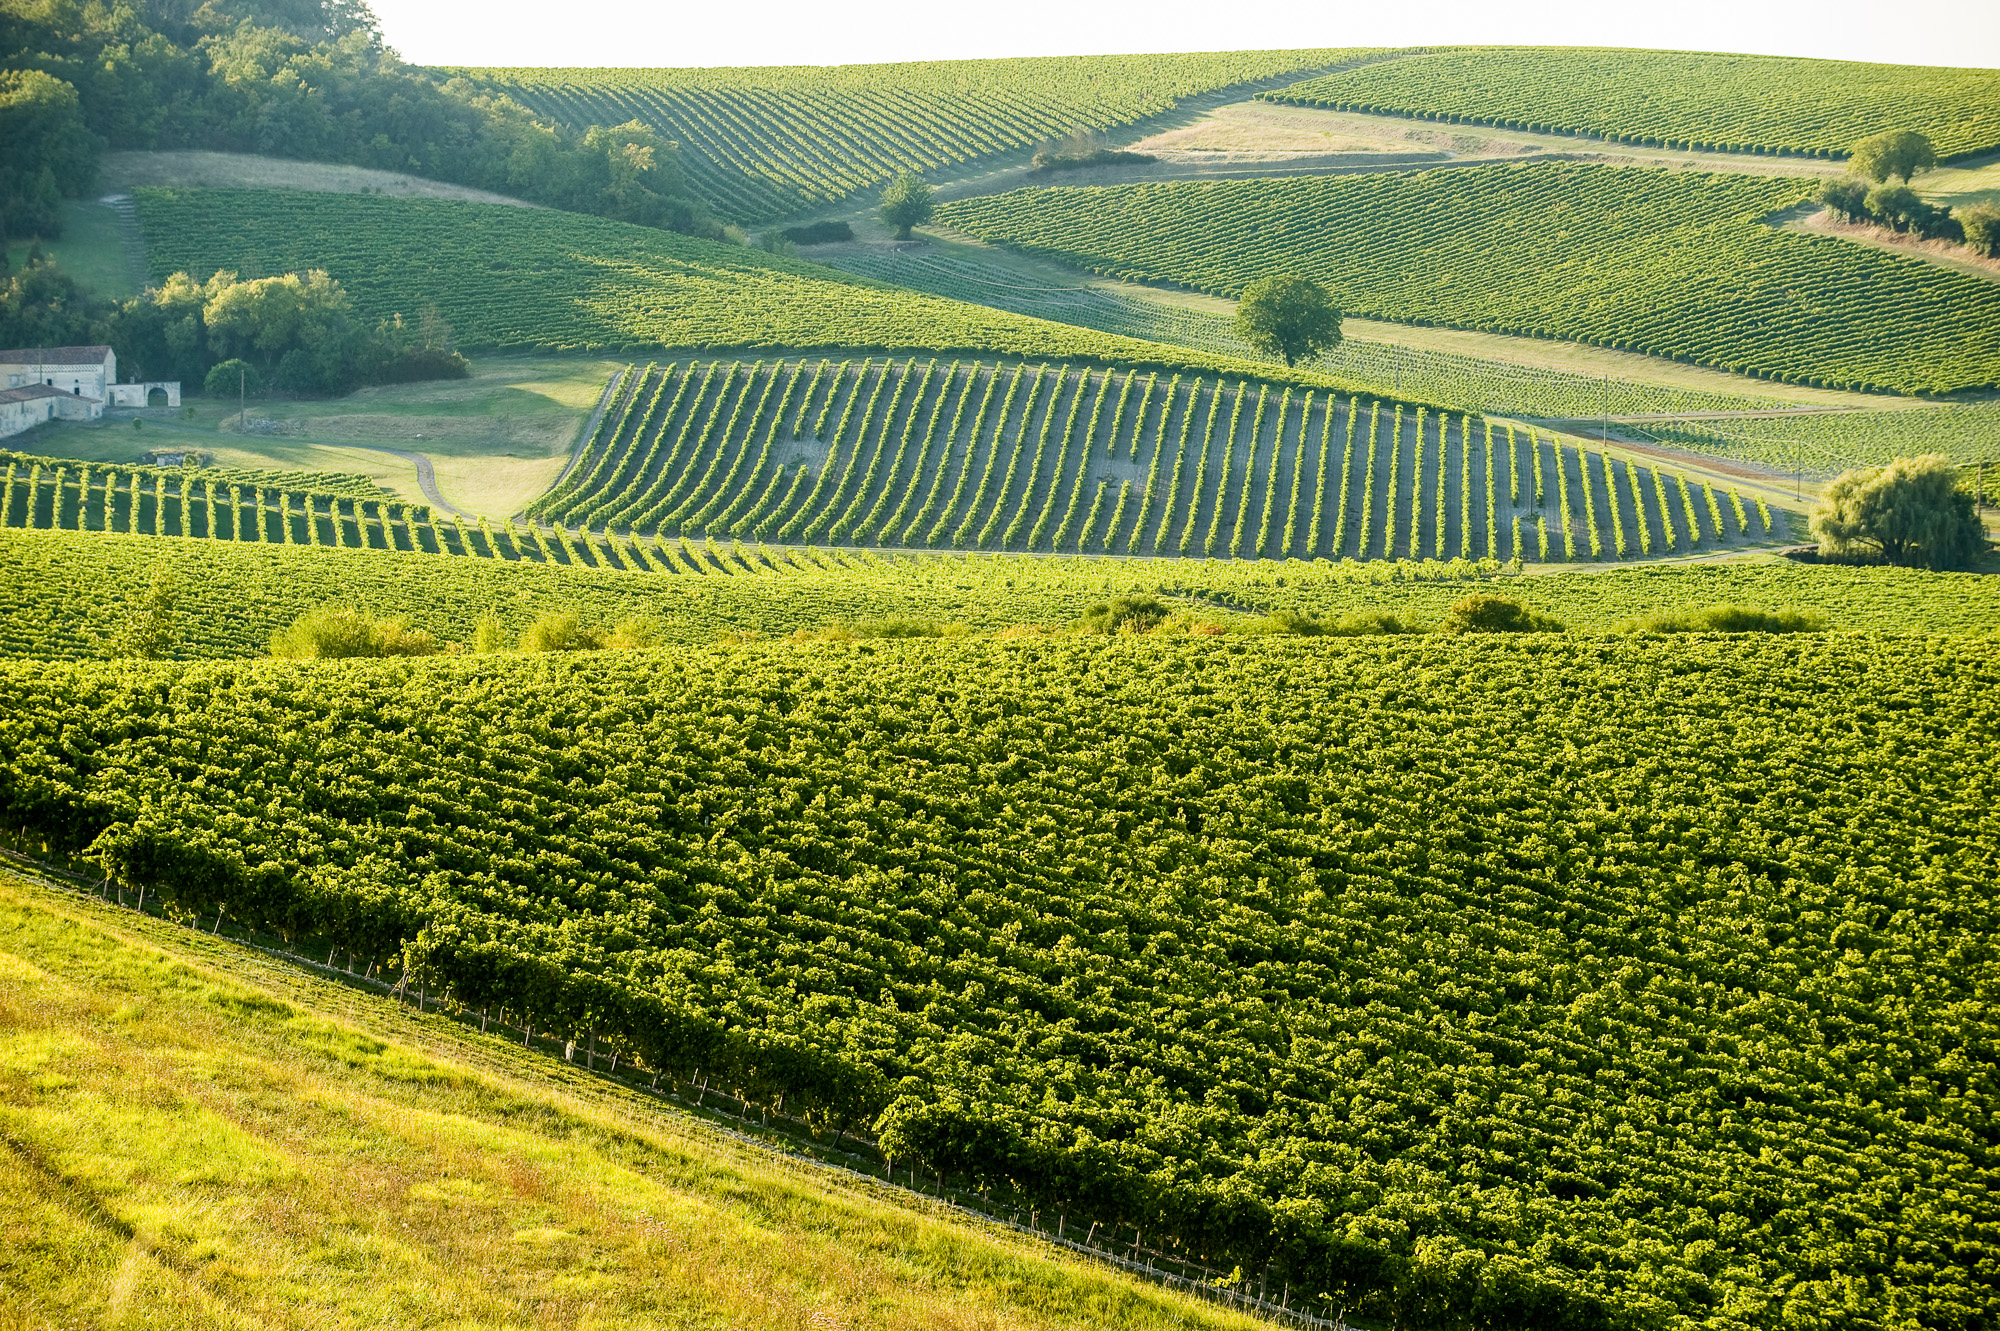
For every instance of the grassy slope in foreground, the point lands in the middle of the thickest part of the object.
(763, 142)
(1673, 264)
(1699, 100)
(212, 1139)
(66, 594)
(532, 277)
(1512, 983)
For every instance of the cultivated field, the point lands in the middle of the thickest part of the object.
(1676, 265)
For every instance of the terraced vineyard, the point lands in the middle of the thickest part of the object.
(1826, 444)
(1676, 99)
(535, 278)
(1464, 383)
(1674, 264)
(1068, 459)
(762, 143)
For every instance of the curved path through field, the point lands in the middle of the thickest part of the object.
(426, 475)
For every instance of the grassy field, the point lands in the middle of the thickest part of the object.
(1734, 103)
(1677, 265)
(195, 1135)
(956, 455)
(764, 143)
(91, 249)
(496, 440)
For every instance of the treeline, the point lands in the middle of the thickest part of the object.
(305, 79)
(298, 333)
(1878, 190)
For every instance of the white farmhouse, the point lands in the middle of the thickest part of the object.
(25, 407)
(88, 375)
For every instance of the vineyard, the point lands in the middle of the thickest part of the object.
(1458, 982)
(1673, 264)
(519, 278)
(1822, 445)
(1463, 383)
(766, 143)
(1072, 460)
(67, 594)
(1675, 99)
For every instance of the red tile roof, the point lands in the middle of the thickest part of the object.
(55, 356)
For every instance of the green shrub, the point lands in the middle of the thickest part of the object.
(1127, 614)
(560, 631)
(232, 377)
(1724, 619)
(334, 632)
(1496, 614)
(818, 233)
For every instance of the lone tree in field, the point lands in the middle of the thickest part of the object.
(1290, 317)
(1898, 153)
(1909, 512)
(906, 203)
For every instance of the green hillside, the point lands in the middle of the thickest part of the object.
(1673, 264)
(1070, 460)
(537, 278)
(1679, 99)
(765, 142)
(201, 1136)
(1536, 962)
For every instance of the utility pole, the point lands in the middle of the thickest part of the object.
(242, 398)
(1607, 411)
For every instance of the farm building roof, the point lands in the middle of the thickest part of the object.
(29, 393)
(55, 356)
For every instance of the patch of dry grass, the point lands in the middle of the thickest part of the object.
(194, 1135)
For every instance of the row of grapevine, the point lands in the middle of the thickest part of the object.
(1675, 264)
(764, 143)
(1674, 99)
(1256, 950)
(1064, 458)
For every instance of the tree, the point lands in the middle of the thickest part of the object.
(333, 633)
(50, 151)
(1909, 512)
(1980, 223)
(906, 203)
(1846, 197)
(1290, 317)
(232, 377)
(148, 631)
(1901, 207)
(1897, 153)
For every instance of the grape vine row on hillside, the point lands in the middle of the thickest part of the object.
(1675, 99)
(761, 143)
(1052, 465)
(1510, 984)
(1675, 264)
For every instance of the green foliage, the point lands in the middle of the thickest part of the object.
(1893, 154)
(862, 630)
(561, 631)
(1265, 944)
(1724, 619)
(1496, 614)
(42, 306)
(1126, 614)
(338, 632)
(1825, 444)
(1980, 224)
(1677, 264)
(309, 81)
(1900, 207)
(906, 203)
(50, 154)
(151, 630)
(1846, 197)
(1291, 318)
(1676, 99)
(1912, 511)
(234, 377)
(818, 233)
(767, 143)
